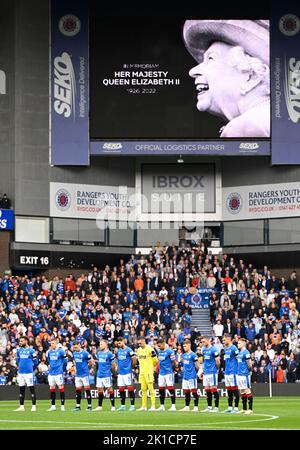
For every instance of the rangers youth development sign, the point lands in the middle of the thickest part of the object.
(69, 137)
(91, 202)
(261, 202)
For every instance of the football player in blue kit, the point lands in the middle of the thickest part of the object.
(167, 364)
(83, 361)
(243, 376)
(127, 360)
(211, 364)
(106, 364)
(27, 361)
(57, 366)
(230, 358)
(189, 382)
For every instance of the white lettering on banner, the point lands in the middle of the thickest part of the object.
(64, 86)
(292, 89)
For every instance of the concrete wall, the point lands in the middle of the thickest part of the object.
(32, 170)
(248, 170)
(7, 128)
(24, 123)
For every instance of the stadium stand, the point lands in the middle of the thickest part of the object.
(141, 297)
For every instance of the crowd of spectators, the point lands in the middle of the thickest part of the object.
(139, 297)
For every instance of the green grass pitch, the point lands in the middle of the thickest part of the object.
(274, 413)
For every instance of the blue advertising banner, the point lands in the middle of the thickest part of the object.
(7, 219)
(69, 83)
(285, 82)
(261, 148)
(198, 299)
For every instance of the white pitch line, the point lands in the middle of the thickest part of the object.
(116, 425)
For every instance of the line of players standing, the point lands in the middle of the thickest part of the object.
(237, 374)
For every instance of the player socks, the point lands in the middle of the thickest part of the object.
(122, 395)
(78, 397)
(209, 398)
(62, 396)
(112, 397)
(187, 398)
(52, 396)
(22, 395)
(100, 398)
(244, 401)
(230, 397)
(89, 397)
(131, 395)
(162, 395)
(250, 401)
(236, 397)
(33, 396)
(217, 397)
(152, 395)
(144, 395)
(196, 397)
(172, 392)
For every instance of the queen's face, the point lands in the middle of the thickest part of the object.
(218, 83)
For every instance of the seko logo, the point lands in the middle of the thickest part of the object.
(292, 88)
(64, 90)
(249, 145)
(112, 146)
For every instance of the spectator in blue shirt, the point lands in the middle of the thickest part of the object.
(250, 332)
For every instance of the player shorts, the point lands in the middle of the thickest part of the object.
(243, 381)
(82, 381)
(188, 385)
(55, 380)
(166, 380)
(125, 380)
(230, 380)
(104, 382)
(146, 378)
(25, 379)
(210, 380)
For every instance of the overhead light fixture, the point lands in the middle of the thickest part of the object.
(180, 160)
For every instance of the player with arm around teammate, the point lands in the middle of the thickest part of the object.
(243, 376)
(230, 357)
(106, 364)
(83, 361)
(189, 382)
(27, 361)
(58, 364)
(211, 364)
(127, 360)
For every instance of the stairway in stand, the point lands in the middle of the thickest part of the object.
(201, 321)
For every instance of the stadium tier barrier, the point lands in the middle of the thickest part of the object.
(259, 390)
